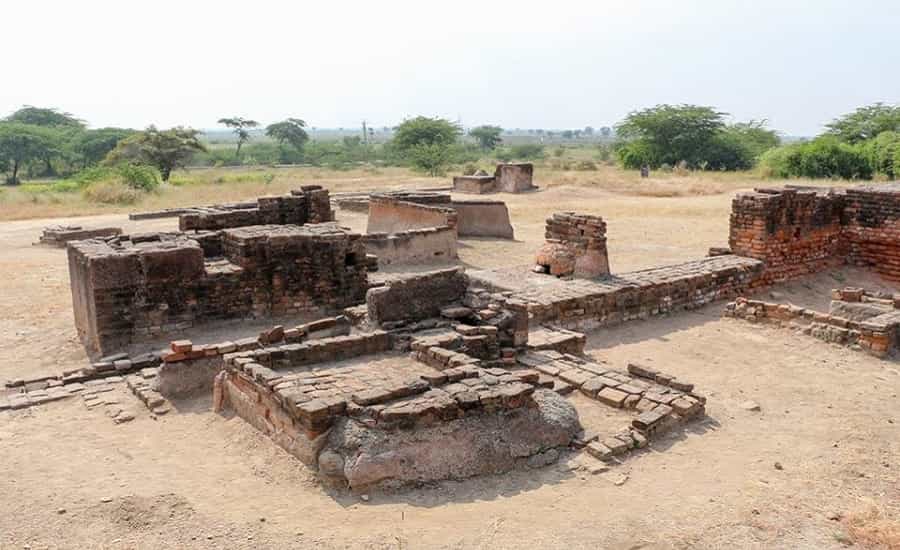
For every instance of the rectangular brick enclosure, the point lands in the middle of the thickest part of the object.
(133, 288)
(797, 231)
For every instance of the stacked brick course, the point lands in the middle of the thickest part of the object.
(576, 245)
(877, 335)
(873, 228)
(133, 288)
(309, 204)
(798, 231)
(60, 235)
(795, 232)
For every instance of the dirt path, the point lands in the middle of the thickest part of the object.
(71, 478)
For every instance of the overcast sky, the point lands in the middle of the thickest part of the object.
(560, 64)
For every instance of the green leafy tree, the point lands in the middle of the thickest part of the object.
(754, 136)
(292, 131)
(164, 149)
(40, 116)
(23, 143)
(92, 146)
(883, 153)
(432, 158)
(488, 137)
(425, 131)
(669, 134)
(866, 123)
(240, 126)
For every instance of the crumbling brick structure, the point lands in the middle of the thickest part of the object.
(797, 231)
(309, 204)
(507, 178)
(576, 245)
(133, 288)
(61, 235)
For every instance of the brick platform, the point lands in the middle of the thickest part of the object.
(309, 204)
(134, 288)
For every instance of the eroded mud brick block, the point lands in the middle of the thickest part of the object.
(612, 397)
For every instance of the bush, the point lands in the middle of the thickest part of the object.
(527, 151)
(111, 192)
(138, 176)
(586, 165)
(469, 169)
(824, 157)
(883, 153)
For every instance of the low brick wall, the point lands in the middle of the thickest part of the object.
(476, 185)
(390, 215)
(415, 246)
(514, 177)
(60, 235)
(309, 204)
(576, 245)
(483, 219)
(873, 228)
(417, 297)
(584, 305)
(134, 288)
(876, 335)
(795, 232)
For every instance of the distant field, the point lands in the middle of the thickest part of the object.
(216, 185)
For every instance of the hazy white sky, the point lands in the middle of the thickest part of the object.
(561, 64)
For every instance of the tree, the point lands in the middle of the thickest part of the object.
(164, 149)
(425, 131)
(589, 131)
(23, 143)
(669, 134)
(291, 131)
(883, 153)
(488, 137)
(606, 131)
(430, 157)
(40, 116)
(865, 123)
(240, 127)
(92, 146)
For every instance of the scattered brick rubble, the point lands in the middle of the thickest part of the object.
(875, 331)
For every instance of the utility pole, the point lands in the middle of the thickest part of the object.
(365, 133)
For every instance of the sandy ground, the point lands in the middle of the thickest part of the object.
(830, 417)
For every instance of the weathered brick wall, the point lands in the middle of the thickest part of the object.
(415, 298)
(309, 204)
(476, 185)
(514, 177)
(60, 235)
(133, 288)
(388, 214)
(576, 245)
(416, 246)
(584, 305)
(482, 218)
(795, 232)
(873, 228)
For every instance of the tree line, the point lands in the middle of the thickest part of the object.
(45, 142)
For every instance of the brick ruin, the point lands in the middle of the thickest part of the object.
(798, 231)
(136, 287)
(448, 373)
(576, 245)
(507, 178)
(309, 204)
(60, 235)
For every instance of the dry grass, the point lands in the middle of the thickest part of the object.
(218, 185)
(874, 527)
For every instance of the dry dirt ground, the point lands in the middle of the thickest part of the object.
(829, 417)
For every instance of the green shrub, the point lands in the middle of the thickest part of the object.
(823, 157)
(883, 153)
(586, 165)
(527, 151)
